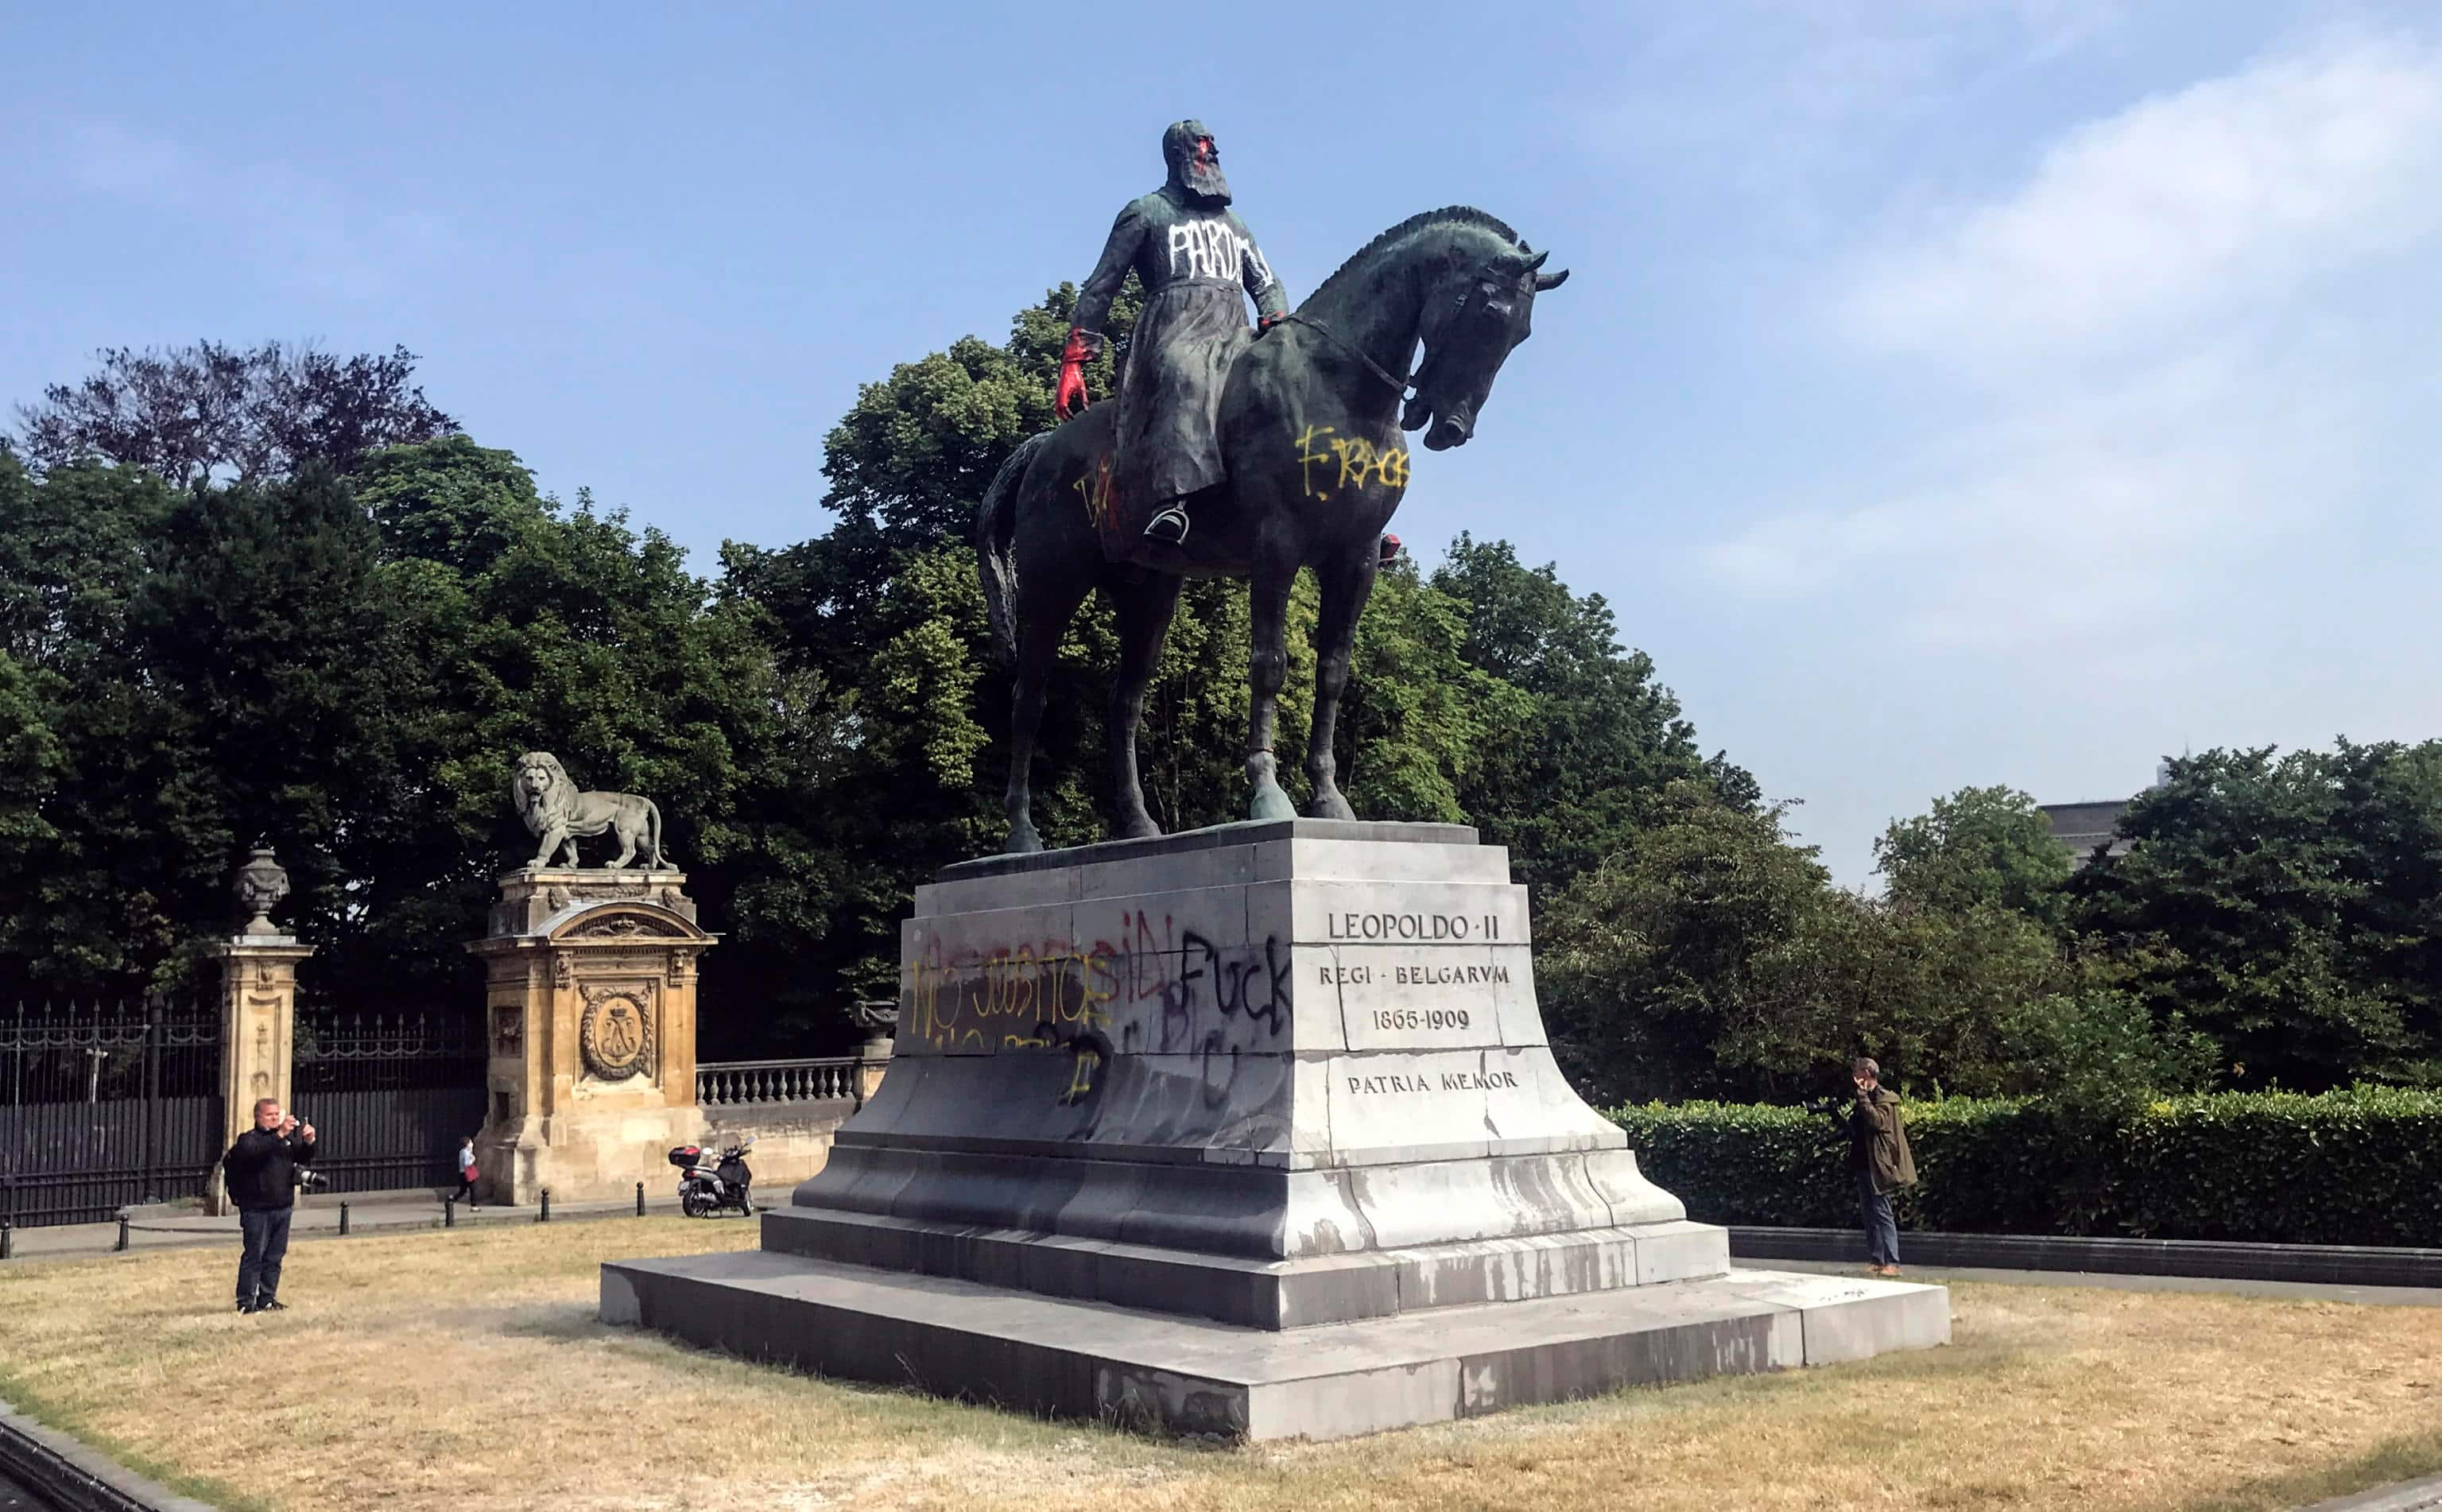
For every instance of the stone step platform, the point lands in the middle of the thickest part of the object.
(1066, 1358)
(1258, 1293)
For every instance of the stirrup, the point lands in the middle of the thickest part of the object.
(1168, 525)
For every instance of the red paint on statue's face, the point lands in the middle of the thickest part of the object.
(1206, 154)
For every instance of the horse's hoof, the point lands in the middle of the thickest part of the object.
(1023, 841)
(1330, 806)
(1139, 827)
(1271, 803)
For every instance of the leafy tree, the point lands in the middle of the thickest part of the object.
(80, 905)
(214, 411)
(261, 622)
(34, 760)
(1583, 759)
(1710, 956)
(906, 468)
(2290, 906)
(1696, 948)
(523, 624)
(1980, 847)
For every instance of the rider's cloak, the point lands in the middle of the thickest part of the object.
(1198, 262)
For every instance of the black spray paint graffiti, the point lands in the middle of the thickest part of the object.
(1155, 991)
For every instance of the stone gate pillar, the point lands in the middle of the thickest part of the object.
(258, 1009)
(589, 979)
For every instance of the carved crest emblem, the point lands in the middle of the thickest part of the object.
(617, 1033)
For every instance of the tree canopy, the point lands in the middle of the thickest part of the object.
(214, 411)
(277, 594)
(344, 648)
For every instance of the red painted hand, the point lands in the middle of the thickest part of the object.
(1070, 398)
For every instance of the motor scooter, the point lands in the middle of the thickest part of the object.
(710, 1184)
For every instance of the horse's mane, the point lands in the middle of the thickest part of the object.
(1461, 214)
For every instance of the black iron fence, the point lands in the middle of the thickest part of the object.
(729, 1084)
(390, 1095)
(107, 1104)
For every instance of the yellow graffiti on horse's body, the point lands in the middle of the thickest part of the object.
(1094, 487)
(1348, 461)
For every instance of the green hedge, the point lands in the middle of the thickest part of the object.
(2360, 1167)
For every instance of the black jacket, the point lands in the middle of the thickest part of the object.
(261, 1169)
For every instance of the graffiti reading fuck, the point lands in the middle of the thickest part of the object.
(1327, 460)
(1149, 986)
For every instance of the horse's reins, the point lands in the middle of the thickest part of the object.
(1477, 287)
(1398, 384)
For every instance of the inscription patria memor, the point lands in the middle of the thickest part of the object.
(1446, 1082)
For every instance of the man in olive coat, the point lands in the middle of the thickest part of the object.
(1878, 1155)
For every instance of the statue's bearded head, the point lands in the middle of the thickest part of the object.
(1194, 164)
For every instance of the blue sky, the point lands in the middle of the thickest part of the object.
(1947, 392)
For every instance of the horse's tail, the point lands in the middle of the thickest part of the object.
(996, 543)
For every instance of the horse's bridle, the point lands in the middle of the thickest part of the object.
(1398, 384)
(1479, 285)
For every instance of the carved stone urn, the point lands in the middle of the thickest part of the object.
(260, 885)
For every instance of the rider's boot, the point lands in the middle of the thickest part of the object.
(1390, 549)
(1168, 525)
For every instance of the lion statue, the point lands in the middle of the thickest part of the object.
(559, 815)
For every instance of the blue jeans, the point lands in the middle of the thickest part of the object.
(1882, 1226)
(266, 1232)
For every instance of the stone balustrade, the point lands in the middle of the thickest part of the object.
(731, 1084)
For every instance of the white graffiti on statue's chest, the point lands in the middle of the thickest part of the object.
(1213, 249)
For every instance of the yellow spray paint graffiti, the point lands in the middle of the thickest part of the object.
(1347, 461)
(1094, 487)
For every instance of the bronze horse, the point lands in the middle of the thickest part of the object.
(1310, 430)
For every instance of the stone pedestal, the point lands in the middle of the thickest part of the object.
(1278, 1092)
(590, 981)
(258, 1035)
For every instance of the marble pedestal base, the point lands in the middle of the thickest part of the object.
(1157, 1371)
(1253, 1130)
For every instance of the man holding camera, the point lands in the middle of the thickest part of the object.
(260, 1170)
(1878, 1154)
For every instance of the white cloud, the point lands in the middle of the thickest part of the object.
(2168, 348)
(2234, 189)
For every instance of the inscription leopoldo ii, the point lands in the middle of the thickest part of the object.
(1395, 1084)
(1360, 926)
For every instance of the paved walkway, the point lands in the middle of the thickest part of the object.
(2410, 1495)
(368, 1212)
(2296, 1290)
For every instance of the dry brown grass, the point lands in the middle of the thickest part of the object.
(465, 1371)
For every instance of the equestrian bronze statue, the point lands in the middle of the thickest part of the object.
(1311, 463)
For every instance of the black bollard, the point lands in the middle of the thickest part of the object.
(8, 1239)
(640, 1199)
(343, 1220)
(449, 1213)
(122, 1232)
(545, 1216)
